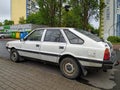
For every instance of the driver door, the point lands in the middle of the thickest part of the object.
(32, 44)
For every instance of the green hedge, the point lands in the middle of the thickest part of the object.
(114, 39)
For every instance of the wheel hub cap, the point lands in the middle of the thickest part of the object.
(69, 68)
(14, 56)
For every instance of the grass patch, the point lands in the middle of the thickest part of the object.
(117, 43)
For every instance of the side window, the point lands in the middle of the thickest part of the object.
(54, 35)
(73, 39)
(35, 36)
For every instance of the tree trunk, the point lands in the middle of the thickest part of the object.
(60, 12)
(85, 17)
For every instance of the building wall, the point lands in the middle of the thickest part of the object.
(108, 18)
(22, 8)
(18, 9)
(117, 18)
(112, 18)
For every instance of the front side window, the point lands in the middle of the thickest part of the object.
(54, 35)
(35, 36)
(73, 39)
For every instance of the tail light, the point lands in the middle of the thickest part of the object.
(106, 54)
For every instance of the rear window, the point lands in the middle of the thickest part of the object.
(89, 34)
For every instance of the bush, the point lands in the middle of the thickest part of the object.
(114, 39)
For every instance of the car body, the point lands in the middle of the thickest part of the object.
(73, 50)
(4, 35)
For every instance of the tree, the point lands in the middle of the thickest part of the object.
(47, 11)
(71, 19)
(1, 24)
(8, 22)
(52, 13)
(82, 11)
(35, 18)
(85, 9)
(60, 12)
(22, 20)
(101, 7)
(11, 22)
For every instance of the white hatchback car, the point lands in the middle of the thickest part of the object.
(73, 50)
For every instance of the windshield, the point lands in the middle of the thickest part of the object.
(89, 34)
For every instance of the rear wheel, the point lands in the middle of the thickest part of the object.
(70, 68)
(14, 56)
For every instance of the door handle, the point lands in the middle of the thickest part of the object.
(61, 47)
(37, 45)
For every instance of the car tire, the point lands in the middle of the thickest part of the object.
(14, 56)
(70, 68)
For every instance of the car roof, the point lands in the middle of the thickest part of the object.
(54, 28)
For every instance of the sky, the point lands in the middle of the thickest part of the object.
(94, 22)
(4, 10)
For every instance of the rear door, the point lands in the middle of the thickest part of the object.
(32, 44)
(53, 45)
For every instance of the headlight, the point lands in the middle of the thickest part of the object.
(7, 45)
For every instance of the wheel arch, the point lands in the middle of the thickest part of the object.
(83, 70)
(67, 55)
(12, 48)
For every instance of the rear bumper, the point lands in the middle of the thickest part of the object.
(109, 64)
(95, 64)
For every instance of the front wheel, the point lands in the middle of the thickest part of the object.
(70, 68)
(14, 56)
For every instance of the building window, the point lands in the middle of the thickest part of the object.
(107, 13)
(107, 1)
(118, 25)
(118, 3)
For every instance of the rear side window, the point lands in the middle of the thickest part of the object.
(54, 35)
(73, 39)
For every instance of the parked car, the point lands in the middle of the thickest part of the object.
(72, 49)
(4, 35)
